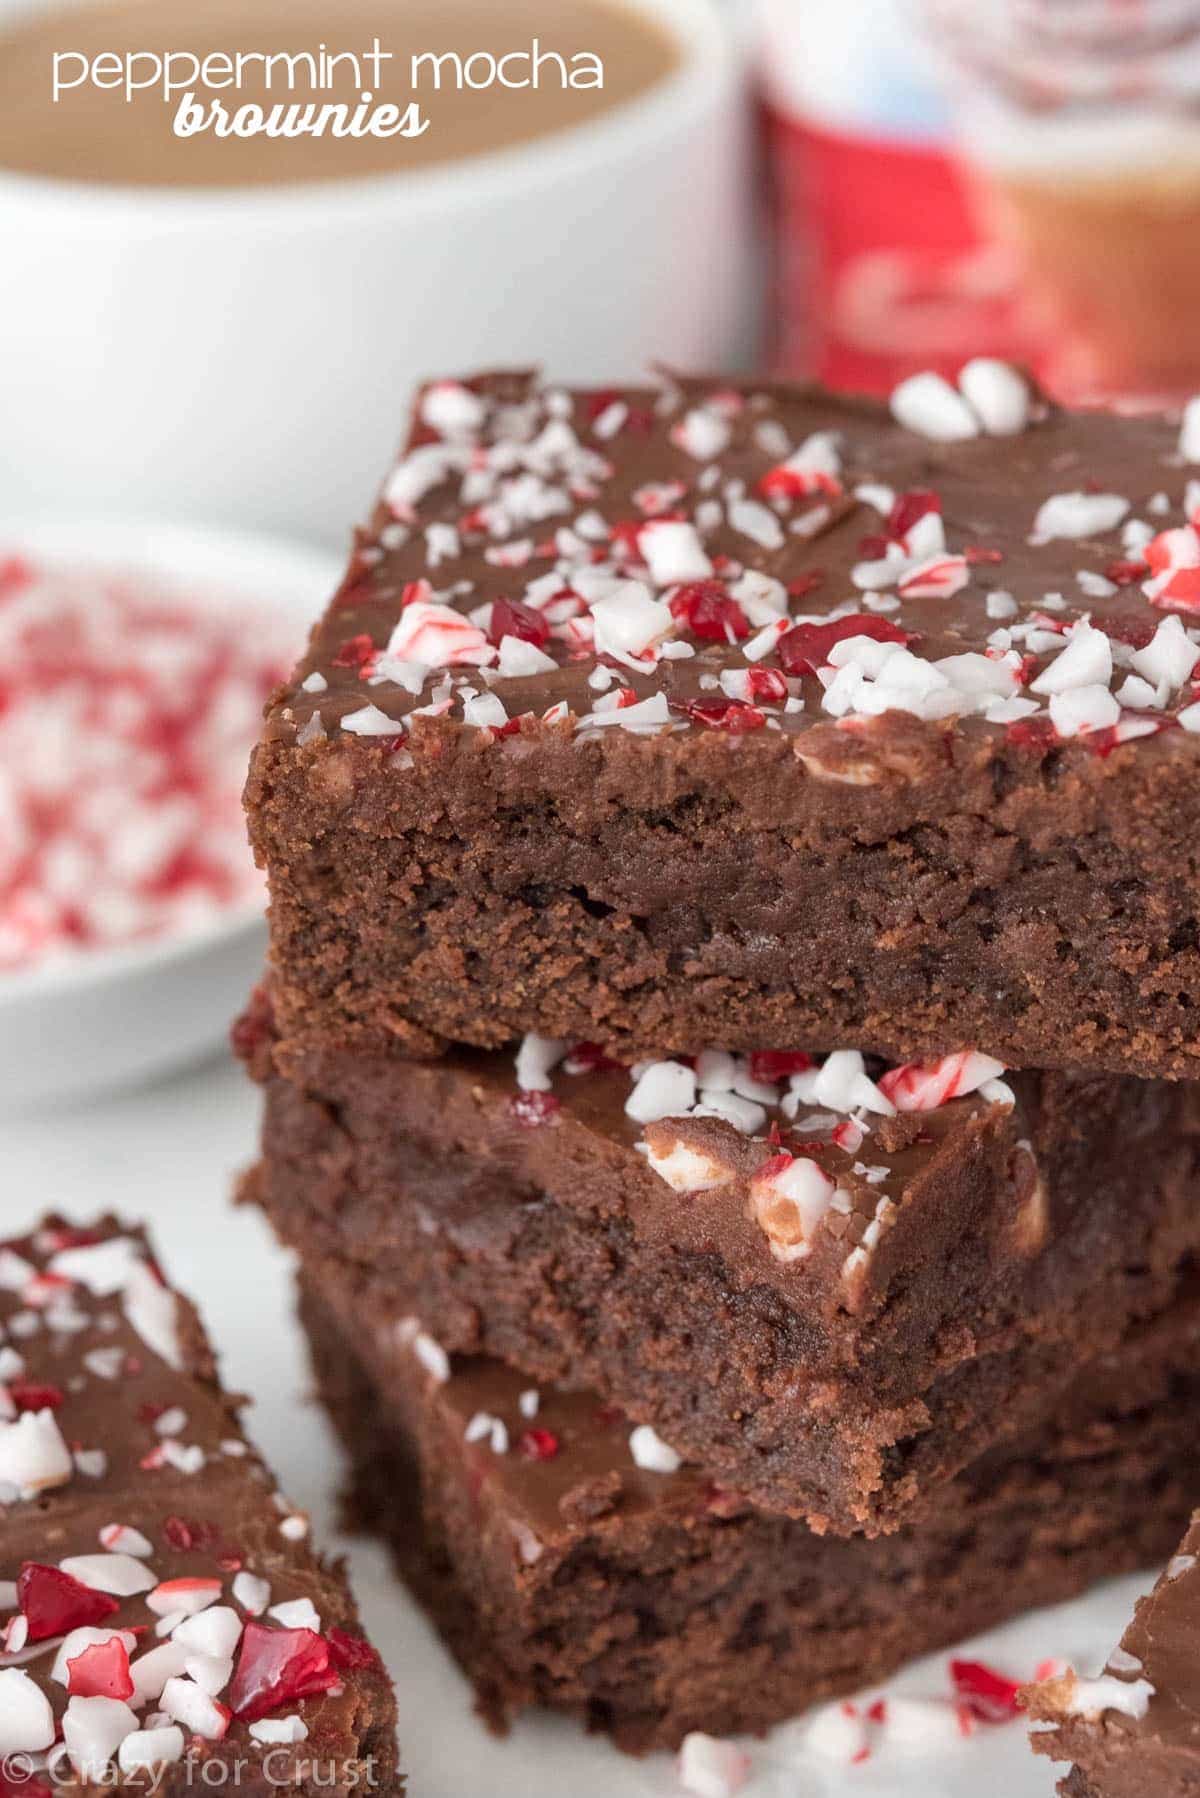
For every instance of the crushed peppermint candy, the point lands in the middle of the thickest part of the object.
(535, 588)
(136, 1632)
(127, 713)
(811, 1119)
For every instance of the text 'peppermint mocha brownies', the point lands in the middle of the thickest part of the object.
(757, 716)
(164, 1623)
(828, 1283)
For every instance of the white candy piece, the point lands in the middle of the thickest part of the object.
(1092, 1697)
(643, 719)
(280, 1729)
(997, 394)
(757, 522)
(841, 1083)
(651, 1453)
(15, 1271)
(1085, 661)
(1170, 655)
(1083, 710)
(151, 1671)
(664, 1089)
(119, 1574)
(215, 1631)
(252, 1593)
(422, 470)
(485, 711)
(152, 1309)
(673, 552)
(188, 1704)
(122, 1538)
(151, 1748)
(701, 433)
(629, 622)
(928, 405)
(297, 1613)
(1078, 515)
(711, 1768)
(26, 1720)
(93, 1729)
(33, 1455)
(103, 1267)
(1189, 431)
(519, 658)
(452, 410)
(432, 1356)
(536, 1058)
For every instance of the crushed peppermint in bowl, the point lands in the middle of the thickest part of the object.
(135, 661)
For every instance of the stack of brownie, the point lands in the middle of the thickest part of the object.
(729, 1041)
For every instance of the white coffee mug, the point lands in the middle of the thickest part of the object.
(246, 356)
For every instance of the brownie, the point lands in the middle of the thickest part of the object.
(829, 1299)
(162, 1612)
(571, 1562)
(751, 714)
(1134, 1731)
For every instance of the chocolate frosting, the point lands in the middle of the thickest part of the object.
(989, 488)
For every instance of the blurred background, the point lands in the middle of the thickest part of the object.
(207, 346)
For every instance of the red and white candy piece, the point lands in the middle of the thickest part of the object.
(789, 1196)
(187, 1595)
(923, 1086)
(439, 637)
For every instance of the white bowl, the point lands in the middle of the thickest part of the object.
(244, 356)
(110, 1017)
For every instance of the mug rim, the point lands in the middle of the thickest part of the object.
(711, 61)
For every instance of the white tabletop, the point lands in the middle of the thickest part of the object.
(169, 1155)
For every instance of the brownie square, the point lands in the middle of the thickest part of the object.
(751, 714)
(164, 1614)
(829, 1300)
(1133, 1731)
(570, 1562)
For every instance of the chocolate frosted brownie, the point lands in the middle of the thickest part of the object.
(163, 1615)
(830, 1283)
(570, 1561)
(1134, 1732)
(752, 714)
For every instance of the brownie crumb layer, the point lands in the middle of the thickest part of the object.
(751, 714)
(570, 1561)
(163, 1616)
(831, 1300)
